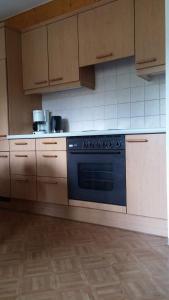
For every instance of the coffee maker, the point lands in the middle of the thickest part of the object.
(41, 121)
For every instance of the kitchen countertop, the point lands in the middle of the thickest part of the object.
(87, 133)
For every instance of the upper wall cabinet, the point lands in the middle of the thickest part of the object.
(2, 43)
(3, 100)
(106, 32)
(51, 59)
(63, 51)
(149, 34)
(35, 58)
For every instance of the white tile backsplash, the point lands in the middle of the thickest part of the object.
(121, 100)
(137, 109)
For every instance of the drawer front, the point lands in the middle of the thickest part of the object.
(22, 145)
(52, 163)
(23, 163)
(52, 190)
(5, 187)
(23, 187)
(4, 164)
(51, 144)
(4, 144)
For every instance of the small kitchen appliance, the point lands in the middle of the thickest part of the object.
(41, 121)
(56, 124)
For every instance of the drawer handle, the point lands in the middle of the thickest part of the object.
(50, 156)
(49, 143)
(3, 156)
(41, 82)
(137, 141)
(146, 61)
(56, 79)
(17, 155)
(3, 135)
(22, 180)
(21, 144)
(104, 55)
(47, 182)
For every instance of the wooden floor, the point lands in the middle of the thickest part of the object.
(52, 259)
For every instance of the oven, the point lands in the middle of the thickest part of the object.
(96, 169)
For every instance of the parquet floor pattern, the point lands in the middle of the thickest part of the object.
(43, 258)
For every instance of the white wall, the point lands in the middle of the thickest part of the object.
(121, 100)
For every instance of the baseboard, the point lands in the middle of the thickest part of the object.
(94, 216)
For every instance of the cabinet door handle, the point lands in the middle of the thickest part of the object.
(137, 141)
(3, 156)
(21, 144)
(3, 135)
(104, 55)
(41, 82)
(17, 155)
(49, 143)
(22, 180)
(56, 79)
(47, 182)
(146, 61)
(50, 156)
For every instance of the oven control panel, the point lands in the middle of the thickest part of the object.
(111, 142)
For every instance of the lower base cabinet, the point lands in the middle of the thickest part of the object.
(23, 187)
(52, 190)
(4, 175)
(146, 175)
(5, 187)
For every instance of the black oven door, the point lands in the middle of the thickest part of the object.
(97, 177)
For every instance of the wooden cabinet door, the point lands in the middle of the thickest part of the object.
(51, 144)
(22, 145)
(2, 43)
(52, 190)
(4, 175)
(3, 100)
(23, 187)
(146, 175)
(52, 163)
(35, 58)
(63, 51)
(106, 33)
(149, 33)
(23, 163)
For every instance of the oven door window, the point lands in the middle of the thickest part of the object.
(95, 176)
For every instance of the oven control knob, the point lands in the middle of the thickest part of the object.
(118, 144)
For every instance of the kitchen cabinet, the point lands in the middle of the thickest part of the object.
(52, 163)
(22, 145)
(3, 100)
(52, 170)
(52, 190)
(50, 58)
(146, 175)
(63, 51)
(23, 163)
(106, 32)
(51, 144)
(4, 175)
(35, 58)
(23, 169)
(23, 187)
(15, 107)
(149, 35)
(2, 43)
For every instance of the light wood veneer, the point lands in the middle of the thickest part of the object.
(146, 175)
(106, 33)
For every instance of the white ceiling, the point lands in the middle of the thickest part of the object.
(10, 8)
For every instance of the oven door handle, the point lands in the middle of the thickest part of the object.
(96, 152)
